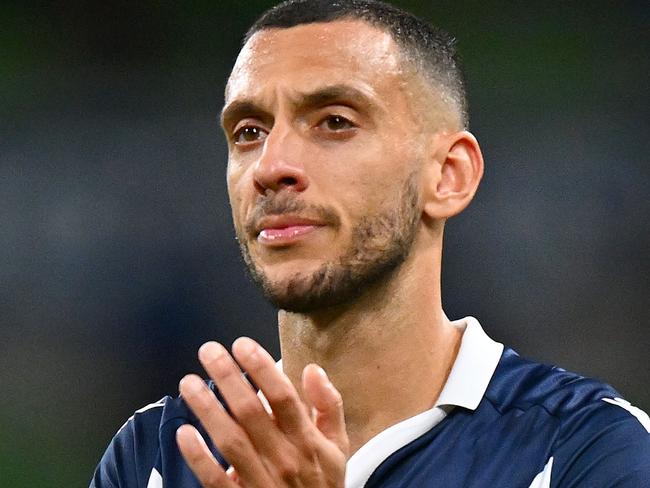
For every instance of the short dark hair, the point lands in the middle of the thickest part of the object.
(431, 49)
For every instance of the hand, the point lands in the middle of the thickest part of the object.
(298, 444)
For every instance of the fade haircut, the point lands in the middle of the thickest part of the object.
(429, 49)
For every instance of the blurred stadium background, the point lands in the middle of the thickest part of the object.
(116, 250)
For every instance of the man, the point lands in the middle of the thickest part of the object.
(346, 123)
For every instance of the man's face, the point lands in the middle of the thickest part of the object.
(325, 151)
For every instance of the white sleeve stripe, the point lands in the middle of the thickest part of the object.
(640, 415)
(543, 478)
(155, 480)
(159, 403)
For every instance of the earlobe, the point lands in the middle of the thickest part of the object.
(458, 172)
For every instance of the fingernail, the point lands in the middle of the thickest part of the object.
(190, 431)
(210, 351)
(190, 384)
(245, 346)
(321, 372)
(181, 429)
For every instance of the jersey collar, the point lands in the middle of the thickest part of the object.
(478, 357)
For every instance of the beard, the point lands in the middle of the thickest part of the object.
(379, 244)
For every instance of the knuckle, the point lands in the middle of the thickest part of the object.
(212, 480)
(287, 468)
(193, 457)
(284, 398)
(256, 367)
(336, 399)
(345, 445)
(222, 369)
(234, 446)
(201, 402)
(309, 442)
(248, 408)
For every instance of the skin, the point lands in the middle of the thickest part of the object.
(352, 155)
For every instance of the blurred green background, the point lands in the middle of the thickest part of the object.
(117, 254)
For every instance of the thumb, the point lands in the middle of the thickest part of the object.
(327, 405)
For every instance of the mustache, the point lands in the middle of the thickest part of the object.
(288, 204)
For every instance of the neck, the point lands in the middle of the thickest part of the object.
(392, 347)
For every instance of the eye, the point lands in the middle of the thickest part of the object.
(336, 123)
(249, 134)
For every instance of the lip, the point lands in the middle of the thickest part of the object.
(282, 230)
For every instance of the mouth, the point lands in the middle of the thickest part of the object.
(283, 230)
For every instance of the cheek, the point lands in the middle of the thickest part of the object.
(372, 172)
(362, 194)
(236, 196)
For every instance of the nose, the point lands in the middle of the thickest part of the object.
(280, 165)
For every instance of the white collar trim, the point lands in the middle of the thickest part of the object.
(472, 371)
(468, 380)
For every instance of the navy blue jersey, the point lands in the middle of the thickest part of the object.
(518, 424)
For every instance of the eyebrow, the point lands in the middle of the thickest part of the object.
(240, 109)
(344, 94)
(332, 94)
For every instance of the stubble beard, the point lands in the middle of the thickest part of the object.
(379, 244)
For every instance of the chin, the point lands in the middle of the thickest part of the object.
(379, 244)
(329, 286)
(299, 292)
(305, 302)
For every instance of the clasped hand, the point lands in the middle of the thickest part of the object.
(298, 444)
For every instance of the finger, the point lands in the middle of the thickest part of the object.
(200, 459)
(290, 413)
(231, 472)
(327, 404)
(243, 402)
(229, 438)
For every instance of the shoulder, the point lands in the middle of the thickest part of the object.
(143, 452)
(144, 447)
(131, 454)
(522, 384)
(595, 437)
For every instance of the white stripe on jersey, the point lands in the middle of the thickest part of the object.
(636, 411)
(159, 403)
(155, 480)
(543, 478)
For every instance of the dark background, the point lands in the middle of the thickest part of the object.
(116, 249)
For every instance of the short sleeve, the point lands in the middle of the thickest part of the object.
(133, 451)
(615, 454)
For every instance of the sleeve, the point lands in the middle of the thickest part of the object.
(609, 446)
(133, 452)
(117, 467)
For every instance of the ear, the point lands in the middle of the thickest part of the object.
(456, 171)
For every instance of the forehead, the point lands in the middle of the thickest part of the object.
(304, 57)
